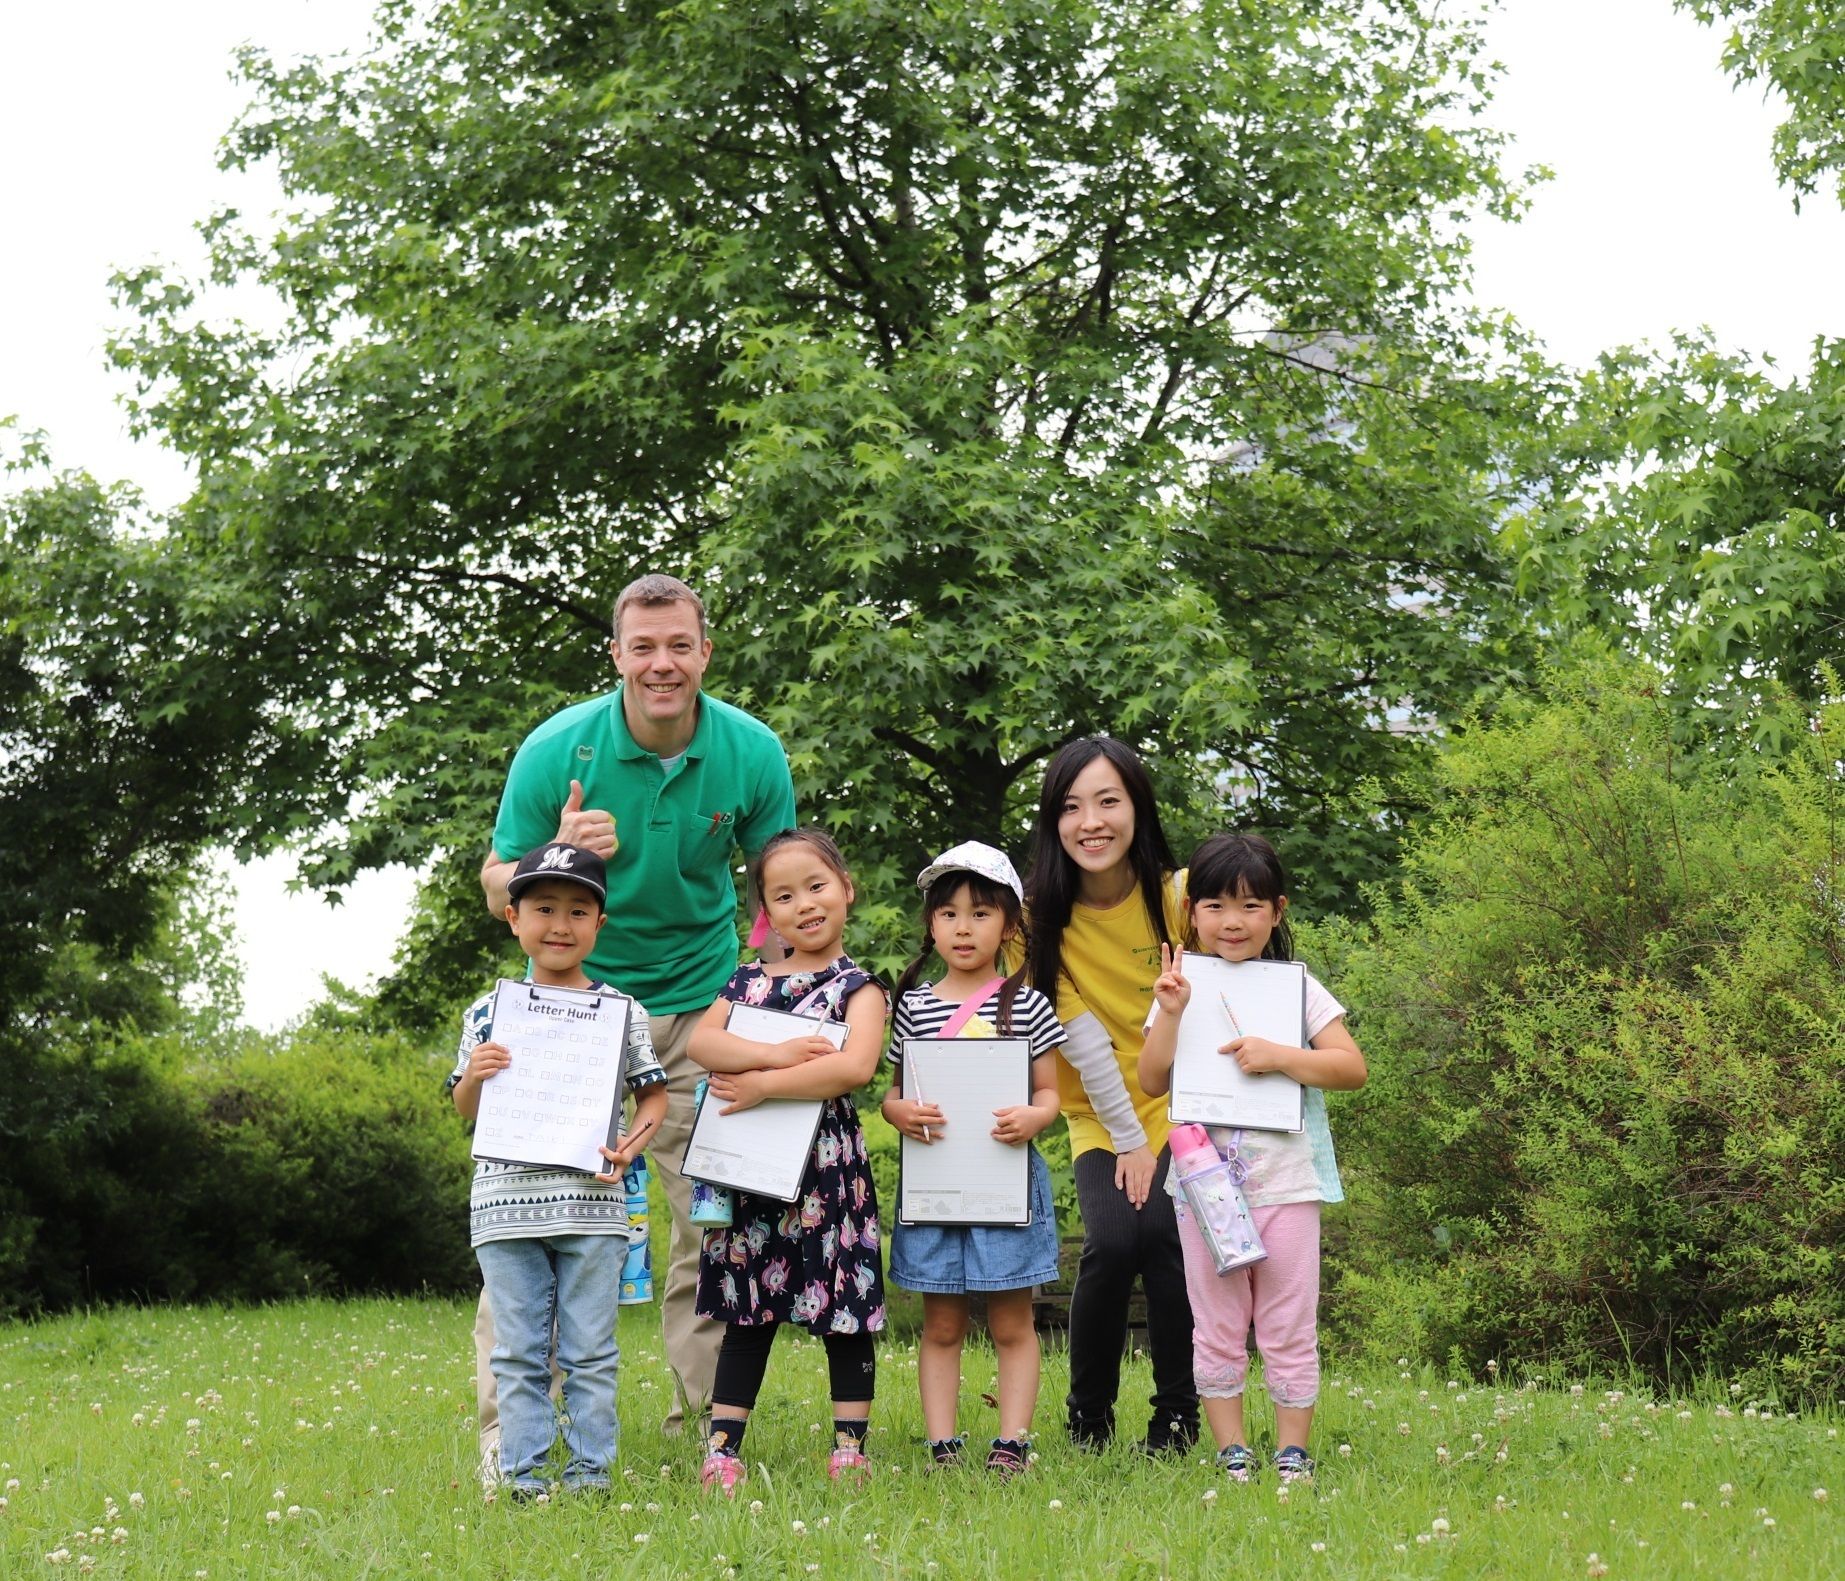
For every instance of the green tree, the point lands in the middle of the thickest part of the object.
(1719, 549)
(1796, 47)
(1003, 370)
(1718, 546)
(118, 731)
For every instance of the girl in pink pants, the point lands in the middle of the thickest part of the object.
(1236, 893)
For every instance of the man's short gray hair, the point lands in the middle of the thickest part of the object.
(653, 590)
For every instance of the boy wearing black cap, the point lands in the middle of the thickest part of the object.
(552, 1241)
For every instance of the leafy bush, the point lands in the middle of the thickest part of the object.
(1605, 1015)
(134, 1169)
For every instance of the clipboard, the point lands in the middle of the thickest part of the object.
(1238, 999)
(763, 1150)
(965, 1176)
(560, 1099)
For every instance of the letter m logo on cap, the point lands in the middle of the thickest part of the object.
(558, 856)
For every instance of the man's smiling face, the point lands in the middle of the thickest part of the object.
(661, 657)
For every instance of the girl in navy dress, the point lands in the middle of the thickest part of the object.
(813, 1262)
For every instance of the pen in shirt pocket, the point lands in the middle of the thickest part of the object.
(719, 820)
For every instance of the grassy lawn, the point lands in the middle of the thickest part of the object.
(337, 1439)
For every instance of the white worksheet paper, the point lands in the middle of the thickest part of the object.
(762, 1150)
(559, 1100)
(965, 1175)
(1266, 999)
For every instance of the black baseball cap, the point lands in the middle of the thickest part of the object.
(558, 860)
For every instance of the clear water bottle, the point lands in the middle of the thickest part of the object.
(1212, 1187)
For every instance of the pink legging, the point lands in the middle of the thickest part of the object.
(1281, 1293)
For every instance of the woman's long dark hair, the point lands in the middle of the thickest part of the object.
(985, 892)
(1052, 880)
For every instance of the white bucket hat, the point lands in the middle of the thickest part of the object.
(972, 856)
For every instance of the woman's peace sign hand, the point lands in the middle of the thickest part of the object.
(1170, 988)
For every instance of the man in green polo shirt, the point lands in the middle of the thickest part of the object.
(664, 784)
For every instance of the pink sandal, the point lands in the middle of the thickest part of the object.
(722, 1471)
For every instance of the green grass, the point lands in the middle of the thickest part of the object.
(337, 1439)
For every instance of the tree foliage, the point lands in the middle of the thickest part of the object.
(1719, 549)
(1003, 370)
(1718, 546)
(1796, 47)
(123, 743)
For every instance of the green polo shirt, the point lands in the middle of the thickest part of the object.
(671, 937)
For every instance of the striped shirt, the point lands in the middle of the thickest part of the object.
(920, 1014)
(509, 1202)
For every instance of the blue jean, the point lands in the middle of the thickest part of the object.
(574, 1282)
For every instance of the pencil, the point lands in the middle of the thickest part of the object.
(911, 1079)
(1235, 1025)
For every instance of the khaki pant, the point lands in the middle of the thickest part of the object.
(691, 1341)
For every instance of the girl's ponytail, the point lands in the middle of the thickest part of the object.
(912, 974)
(1008, 996)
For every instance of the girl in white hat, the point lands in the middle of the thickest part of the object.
(972, 902)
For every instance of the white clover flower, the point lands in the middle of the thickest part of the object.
(1439, 1526)
(755, 1506)
(136, 1501)
(643, 1537)
(1318, 1548)
(58, 1556)
(1595, 1565)
(1820, 1495)
(1687, 1504)
(797, 1527)
(1209, 1496)
(1768, 1520)
(1056, 1504)
(1345, 1450)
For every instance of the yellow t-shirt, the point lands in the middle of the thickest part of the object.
(1110, 960)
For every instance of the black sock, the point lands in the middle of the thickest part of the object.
(850, 1430)
(727, 1435)
(947, 1449)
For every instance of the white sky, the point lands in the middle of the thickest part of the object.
(1663, 214)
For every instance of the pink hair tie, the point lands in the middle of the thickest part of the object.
(759, 930)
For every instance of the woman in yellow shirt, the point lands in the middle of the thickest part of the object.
(1102, 901)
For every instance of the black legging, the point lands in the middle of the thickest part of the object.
(1120, 1242)
(743, 1361)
